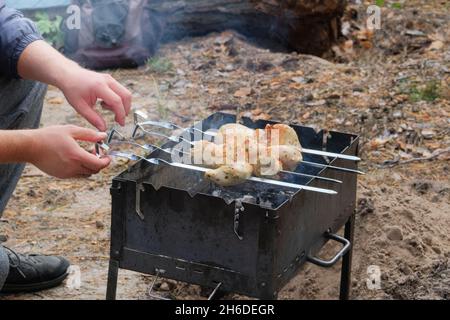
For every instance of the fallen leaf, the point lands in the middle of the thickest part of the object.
(56, 100)
(243, 92)
(415, 33)
(365, 34)
(224, 37)
(428, 133)
(433, 145)
(348, 45)
(300, 80)
(256, 111)
(366, 44)
(295, 86)
(316, 103)
(436, 45)
(214, 90)
(377, 143)
(402, 145)
(262, 116)
(306, 115)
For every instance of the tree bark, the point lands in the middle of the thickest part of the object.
(306, 26)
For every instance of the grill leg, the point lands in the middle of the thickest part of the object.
(113, 273)
(346, 270)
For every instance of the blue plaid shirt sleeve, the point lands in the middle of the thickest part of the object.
(16, 33)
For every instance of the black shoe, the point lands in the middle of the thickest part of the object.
(29, 273)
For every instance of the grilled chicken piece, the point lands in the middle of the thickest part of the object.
(236, 140)
(268, 161)
(211, 155)
(267, 166)
(235, 133)
(260, 136)
(220, 154)
(234, 127)
(238, 130)
(286, 135)
(233, 152)
(289, 156)
(240, 152)
(205, 154)
(230, 175)
(262, 161)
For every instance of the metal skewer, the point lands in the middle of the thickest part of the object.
(303, 150)
(125, 155)
(163, 124)
(167, 150)
(168, 125)
(320, 165)
(158, 161)
(176, 139)
(147, 147)
(330, 154)
(320, 152)
(171, 126)
(311, 176)
(150, 148)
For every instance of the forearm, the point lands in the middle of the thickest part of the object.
(41, 62)
(82, 88)
(54, 150)
(16, 146)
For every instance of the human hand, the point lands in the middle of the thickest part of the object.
(55, 151)
(83, 88)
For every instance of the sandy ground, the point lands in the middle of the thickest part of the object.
(398, 100)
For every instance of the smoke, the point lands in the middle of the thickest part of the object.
(125, 33)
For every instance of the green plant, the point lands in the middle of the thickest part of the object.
(428, 92)
(50, 28)
(159, 65)
(396, 5)
(161, 100)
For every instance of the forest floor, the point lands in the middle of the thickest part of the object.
(391, 86)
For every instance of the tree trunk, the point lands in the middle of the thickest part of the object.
(307, 26)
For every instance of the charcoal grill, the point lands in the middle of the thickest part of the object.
(249, 239)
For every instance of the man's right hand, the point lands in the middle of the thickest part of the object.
(55, 151)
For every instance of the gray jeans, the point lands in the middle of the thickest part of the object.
(20, 108)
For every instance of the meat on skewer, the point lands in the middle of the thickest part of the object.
(261, 156)
(230, 175)
(204, 153)
(267, 166)
(286, 135)
(289, 156)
